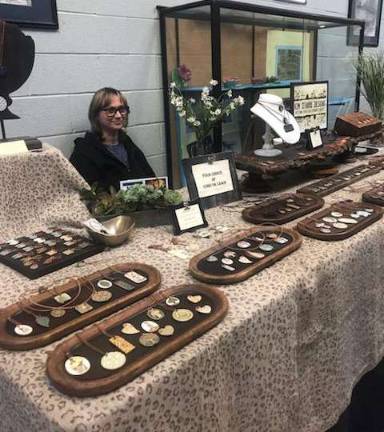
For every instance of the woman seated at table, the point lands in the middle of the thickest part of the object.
(106, 154)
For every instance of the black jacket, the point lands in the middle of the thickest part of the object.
(97, 164)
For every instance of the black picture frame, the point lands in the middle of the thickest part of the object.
(372, 18)
(218, 199)
(312, 136)
(40, 14)
(175, 221)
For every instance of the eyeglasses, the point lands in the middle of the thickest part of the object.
(111, 111)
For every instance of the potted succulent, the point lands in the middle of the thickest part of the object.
(148, 206)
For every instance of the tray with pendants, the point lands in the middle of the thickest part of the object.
(241, 256)
(43, 252)
(44, 317)
(340, 220)
(109, 354)
(338, 181)
(375, 195)
(282, 209)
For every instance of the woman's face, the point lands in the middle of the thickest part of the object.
(112, 118)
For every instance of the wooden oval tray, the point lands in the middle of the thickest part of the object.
(42, 326)
(93, 343)
(282, 209)
(331, 184)
(375, 196)
(211, 270)
(313, 226)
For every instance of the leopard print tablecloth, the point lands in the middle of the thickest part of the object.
(297, 337)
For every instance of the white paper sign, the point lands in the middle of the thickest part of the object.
(316, 139)
(13, 147)
(212, 178)
(189, 217)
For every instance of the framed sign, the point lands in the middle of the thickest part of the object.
(212, 178)
(370, 12)
(30, 13)
(310, 104)
(188, 217)
(314, 138)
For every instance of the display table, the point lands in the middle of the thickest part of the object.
(296, 339)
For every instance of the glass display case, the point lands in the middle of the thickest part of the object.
(251, 49)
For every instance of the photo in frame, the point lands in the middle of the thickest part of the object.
(370, 12)
(30, 13)
(187, 217)
(212, 179)
(314, 138)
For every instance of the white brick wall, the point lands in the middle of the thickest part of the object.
(106, 43)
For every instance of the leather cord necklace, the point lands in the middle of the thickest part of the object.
(3, 68)
(282, 112)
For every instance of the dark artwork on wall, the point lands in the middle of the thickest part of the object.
(370, 12)
(30, 13)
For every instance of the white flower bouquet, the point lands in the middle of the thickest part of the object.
(203, 114)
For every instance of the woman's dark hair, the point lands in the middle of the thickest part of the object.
(101, 99)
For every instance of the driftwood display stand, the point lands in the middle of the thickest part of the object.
(250, 252)
(205, 308)
(38, 315)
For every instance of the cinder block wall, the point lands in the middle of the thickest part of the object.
(106, 43)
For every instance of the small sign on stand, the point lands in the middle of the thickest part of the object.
(187, 217)
(212, 179)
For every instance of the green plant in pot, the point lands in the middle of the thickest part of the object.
(370, 70)
(147, 205)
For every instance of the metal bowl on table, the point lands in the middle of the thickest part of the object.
(117, 231)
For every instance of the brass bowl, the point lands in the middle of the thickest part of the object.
(119, 229)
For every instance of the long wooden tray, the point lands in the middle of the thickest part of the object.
(98, 380)
(212, 272)
(308, 225)
(375, 196)
(72, 320)
(282, 209)
(338, 181)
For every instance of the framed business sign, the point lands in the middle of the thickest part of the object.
(30, 13)
(370, 12)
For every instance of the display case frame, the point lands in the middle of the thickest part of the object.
(216, 18)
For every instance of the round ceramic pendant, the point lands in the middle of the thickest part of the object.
(206, 309)
(101, 296)
(113, 360)
(282, 240)
(57, 313)
(325, 230)
(172, 301)
(155, 314)
(182, 315)
(319, 224)
(272, 236)
(340, 225)
(77, 365)
(227, 267)
(266, 247)
(336, 214)
(227, 261)
(23, 330)
(13, 242)
(329, 219)
(168, 330)
(230, 254)
(243, 244)
(211, 258)
(150, 326)
(364, 213)
(149, 339)
(369, 210)
(104, 284)
(129, 329)
(257, 255)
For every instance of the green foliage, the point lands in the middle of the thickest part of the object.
(370, 69)
(138, 197)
